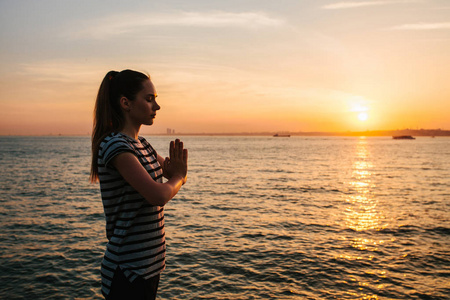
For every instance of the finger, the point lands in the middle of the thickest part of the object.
(171, 149)
(180, 150)
(166, 165)
(176, 148)
(185, 155)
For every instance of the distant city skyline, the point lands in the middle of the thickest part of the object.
(232, 66)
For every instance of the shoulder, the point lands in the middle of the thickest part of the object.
(146, 144)
(114, 140)
(114, 144)
(143, 140)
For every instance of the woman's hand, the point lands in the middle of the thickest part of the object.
(176, 164)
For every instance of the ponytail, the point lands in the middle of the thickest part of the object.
(108, 116)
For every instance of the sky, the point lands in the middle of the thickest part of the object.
(229, 66)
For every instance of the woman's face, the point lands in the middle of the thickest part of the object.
(143, 108)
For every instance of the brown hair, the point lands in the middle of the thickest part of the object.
(108, 116)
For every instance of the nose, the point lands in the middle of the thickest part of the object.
(157, 107)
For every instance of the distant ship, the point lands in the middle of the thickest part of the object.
(281, 135)
(403, 137)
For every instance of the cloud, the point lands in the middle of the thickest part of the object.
(126, 23)
(354, 4)
(343, 5)
(61, 71)
(422, 26)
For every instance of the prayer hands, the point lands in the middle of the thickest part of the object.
(176, 164)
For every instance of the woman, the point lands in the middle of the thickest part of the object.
(133, 193)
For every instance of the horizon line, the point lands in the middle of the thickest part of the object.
(390, 132)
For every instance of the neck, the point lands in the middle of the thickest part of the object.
(131, 131)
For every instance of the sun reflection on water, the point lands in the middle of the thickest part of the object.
(362, 213)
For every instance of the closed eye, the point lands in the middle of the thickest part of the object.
(151, 98)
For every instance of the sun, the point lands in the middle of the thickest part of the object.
(360, 113)
(363, 116)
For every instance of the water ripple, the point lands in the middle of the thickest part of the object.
(338, 218)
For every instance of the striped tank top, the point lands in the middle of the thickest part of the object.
(134, 228)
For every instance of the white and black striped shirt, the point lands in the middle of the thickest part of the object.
(134, 228)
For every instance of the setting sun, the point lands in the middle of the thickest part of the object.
(359, 106)
(363, 116)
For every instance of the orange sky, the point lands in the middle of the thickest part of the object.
(230, 67)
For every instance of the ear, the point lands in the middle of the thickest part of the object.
(125, 103)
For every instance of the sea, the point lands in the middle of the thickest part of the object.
(259, 218)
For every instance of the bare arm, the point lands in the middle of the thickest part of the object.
(154, 192)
